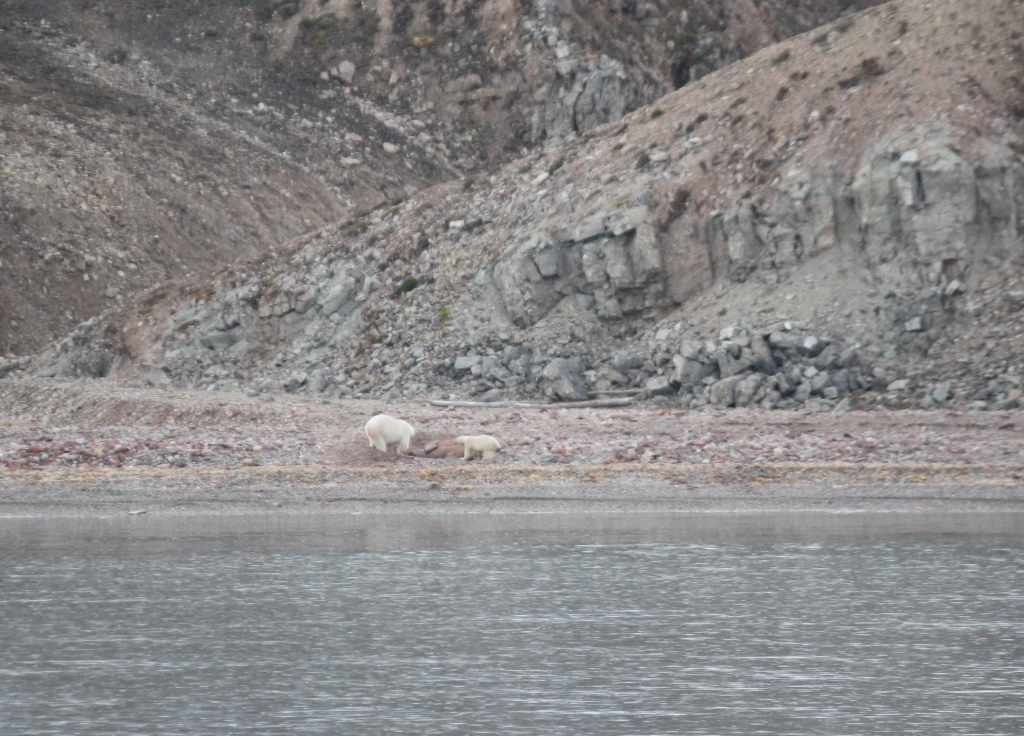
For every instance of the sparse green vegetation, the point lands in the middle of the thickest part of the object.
(642, 160)
(157, 296)
(324, 30)
(356, 227)
(657, 113)
(407, 284)
(556, 165)
(695, 123)
(445, 315)
(284, 8)
(679, 201)
(365, 23)
(618, 146)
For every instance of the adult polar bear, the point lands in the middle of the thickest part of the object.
(384, 432)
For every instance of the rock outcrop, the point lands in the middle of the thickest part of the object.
(761, 237)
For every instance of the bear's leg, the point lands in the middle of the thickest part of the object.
(488, 454)
(467, 453)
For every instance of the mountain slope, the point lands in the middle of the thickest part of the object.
(155, 140)
(841, 214)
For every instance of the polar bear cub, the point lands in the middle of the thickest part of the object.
(384, 432)
(480, 445)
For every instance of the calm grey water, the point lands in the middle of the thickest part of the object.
(463, 627)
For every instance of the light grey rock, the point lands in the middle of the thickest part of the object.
(745, 390)
(691, 350)
(784, 340)
(827, 358)
(346, 71)
(841, 381)
(687, 372)
(820, 382)
(659, 386)
(914, 324)
(898, 385)
(217, 340)
(492, 395)
(645, 253)
(729, 366)
(319, 383)
(941, 393)
(466, 362)
(764, 361)
(305, 301)
(723, 393)
(585, 100)
(811, 346)
(85, 363)
(295, 381)
(802, 392)
(847, 357)
(589, 228)
(743, 244)
(626, 361)
(625, 220)
(157, 378)
(276, 304)
(337, 295)
(562, 382)
(879, 379)
(546, 261)
(771, 399)
(924, 204)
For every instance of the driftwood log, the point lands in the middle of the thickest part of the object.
(592, 404)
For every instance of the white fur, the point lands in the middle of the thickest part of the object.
(480, 445)
(384, 432)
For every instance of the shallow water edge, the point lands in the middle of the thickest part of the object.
(404, 531)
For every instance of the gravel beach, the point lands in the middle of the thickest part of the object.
(99, 447)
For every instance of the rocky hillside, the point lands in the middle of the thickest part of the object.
(146, 141)
(837, 219)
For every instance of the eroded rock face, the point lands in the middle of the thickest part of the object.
(917, 197)
(614, 256)
(588, 94)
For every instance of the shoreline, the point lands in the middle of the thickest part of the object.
(103, 447)
(403, 530)
(489, 489)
